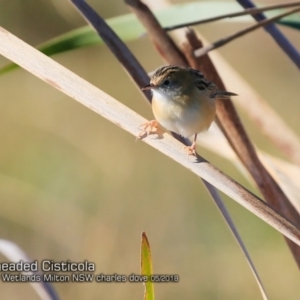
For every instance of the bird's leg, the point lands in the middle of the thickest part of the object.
(151, 127)
(191, 150)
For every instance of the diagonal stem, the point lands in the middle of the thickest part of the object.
(276, 34)
(117, 47)
(163, 43)
(240, 33)
(231, 125)
(248, 11)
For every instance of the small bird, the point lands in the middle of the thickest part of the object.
(183, 101)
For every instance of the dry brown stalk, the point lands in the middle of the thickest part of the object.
(229, 122)
(167, 49)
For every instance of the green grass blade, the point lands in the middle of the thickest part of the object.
(128, 28)
(291, 21)
(146, 267)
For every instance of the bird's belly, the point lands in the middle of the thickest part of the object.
(181, 119)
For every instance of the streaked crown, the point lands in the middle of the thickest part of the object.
(176, 75)
(177, 79)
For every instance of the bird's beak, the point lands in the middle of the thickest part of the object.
(148, 87)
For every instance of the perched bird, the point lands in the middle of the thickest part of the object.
(183, 102)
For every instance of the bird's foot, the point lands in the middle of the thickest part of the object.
(190, 150)
(151, 127)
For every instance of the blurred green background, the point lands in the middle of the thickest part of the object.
(75, 187)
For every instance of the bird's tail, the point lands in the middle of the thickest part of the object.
(223, 94)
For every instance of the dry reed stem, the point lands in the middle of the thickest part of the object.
(249, 11)
(167, 49)
(260, 112)
(232, 128)
(204, 50)
(85, 93)
(276, 34)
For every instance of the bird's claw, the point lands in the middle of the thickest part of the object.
(148, 128)
(190, 150)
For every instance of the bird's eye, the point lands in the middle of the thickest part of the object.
(166, 82)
